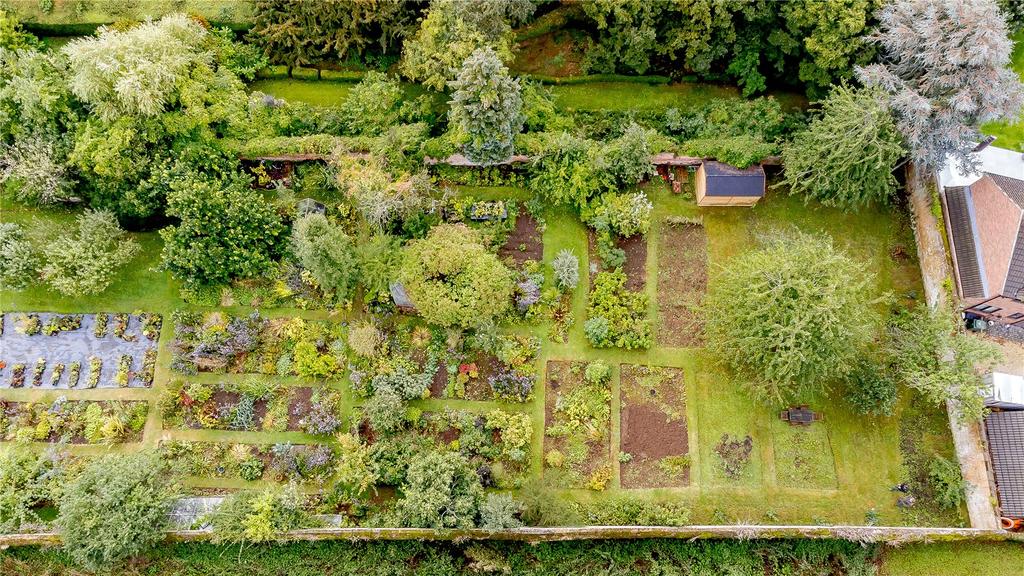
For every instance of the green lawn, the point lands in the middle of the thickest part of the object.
(317, 93)
(1010, 136)
(955, 559)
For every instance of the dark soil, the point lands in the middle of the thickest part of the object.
(635, 267)
(682, 284)
(298, 407)
(476, 388)
(524, 235)
(440, 382)
(646, 432)
(551, 54)
(561, 380)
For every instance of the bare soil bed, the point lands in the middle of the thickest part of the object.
(476, 388)
(682, 284)
(585, 454)
(525, 242)
(653, 427)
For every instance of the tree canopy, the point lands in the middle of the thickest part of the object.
(453, 279)
(486, 106)
(790, 317)
(442, 490)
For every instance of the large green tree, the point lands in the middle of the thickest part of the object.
(115, 509)
(453, 279)
(791, 317)
(86, 258)
(442, 490)
(226, 230)
(327, 253)
(847, 154)
(486, 107)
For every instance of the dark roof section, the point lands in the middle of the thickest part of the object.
(1006, 445)
(725, 180)
(1015, 273)
(1013, 188)
(963, 242)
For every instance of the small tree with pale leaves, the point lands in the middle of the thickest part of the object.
(945, 67)
(487, 107)
(85, 259)
(32, 169)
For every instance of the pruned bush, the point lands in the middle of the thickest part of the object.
(442, 490)
(86, 259)
(323, 249)
(18, 261)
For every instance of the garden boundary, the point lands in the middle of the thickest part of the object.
(893, 535)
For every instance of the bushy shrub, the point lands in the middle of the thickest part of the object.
(385, 411)
(486, 107)
(566, 267)
(324, 250)
(871, 390)
(372, 105)
(626, 160)
(617, 316)
(355, 473)
(115, 509)
(18, 261)
(35, 171)
(945, 477)
(500, 512)
(453, 279)
(364, 338)
(597, 373)
(86, 259)
(254, 517)
(564, 173)
(442, 490)
(26, 482)
(624, 214)
(308, 362)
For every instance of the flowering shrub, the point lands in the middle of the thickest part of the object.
(510, 385)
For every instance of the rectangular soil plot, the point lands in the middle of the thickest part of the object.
(682, 283)
(653, 427)
(803, 456)
(635, 267)
(577, 418)
(525, 242)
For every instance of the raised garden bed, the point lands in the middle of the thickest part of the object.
(251, 462)
(505, 371)
(635, 266)
(577, 420)
(254, 344)
(73, 421)
(498, 442)
(62, 351)
(525, 242)
(251, 406)
(654, 447)
(682, 284)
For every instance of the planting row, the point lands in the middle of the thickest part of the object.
(78, 350)
(253, 405)
(251, 462)
(411, 359)
(75, 422)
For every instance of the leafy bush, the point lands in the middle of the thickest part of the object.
(18, 261)
(327, 253)
(364, 339)
(453, 279)
(617, 316)
(624, 214)
(385, 411)
(486, 107)
(597, 373)
(115, 509)
(355, 473)
(626, 160)
(226, 231)
(85, 260)
(566, 267)
(254, 517)
(945, 477)
(372, 105)
(26, 482)
(500, 512)
(442, 490)
(564, 173)
(871, 390)
(308, 362)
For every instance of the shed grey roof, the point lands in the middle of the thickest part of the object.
(724, 180)
(1006, 445)
(961, 228)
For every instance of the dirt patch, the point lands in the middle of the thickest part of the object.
(553, 54)
(475, 388)
(653, 427)
(299, 407)
(635, 267)
(585, 453)
(440, 382)
(524, 242)
(682, 285)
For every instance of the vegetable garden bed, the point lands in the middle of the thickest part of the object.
(653, 429)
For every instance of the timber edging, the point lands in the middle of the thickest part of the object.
(894, 535)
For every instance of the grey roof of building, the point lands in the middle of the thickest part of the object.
(962, 231)
(1006, 445)
(724, 180)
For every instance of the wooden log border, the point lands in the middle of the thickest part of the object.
(892, 535)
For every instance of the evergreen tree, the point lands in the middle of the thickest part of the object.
(487, 107)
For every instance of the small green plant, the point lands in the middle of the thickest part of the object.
(949, 485)
(625, 457)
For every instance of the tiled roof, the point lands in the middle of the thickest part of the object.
(725, 180)
(962, 233)
(1012, 187)
(1006, 445)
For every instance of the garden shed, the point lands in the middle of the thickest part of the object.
(1006, 391)
(719, 184)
